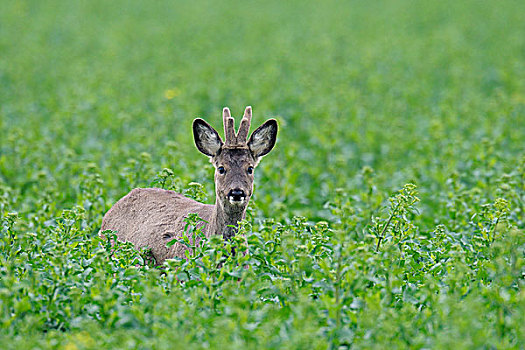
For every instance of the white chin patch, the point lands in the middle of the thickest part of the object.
(234, 202)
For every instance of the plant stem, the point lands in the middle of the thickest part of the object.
(494, 230)
(381, 236)
(338, 287)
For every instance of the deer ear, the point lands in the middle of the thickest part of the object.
(206, 138)
(263, 138)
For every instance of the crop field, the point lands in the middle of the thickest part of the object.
(390, 215)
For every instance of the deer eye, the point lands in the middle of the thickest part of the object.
(221, 170)
(250, 170)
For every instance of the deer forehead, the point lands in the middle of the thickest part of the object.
(234, 157)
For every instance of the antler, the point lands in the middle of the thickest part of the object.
(229, 127)
(244, 128)
(239, 139)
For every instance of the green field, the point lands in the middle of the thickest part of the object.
(391, 213)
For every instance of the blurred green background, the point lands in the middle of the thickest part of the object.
(416, 90)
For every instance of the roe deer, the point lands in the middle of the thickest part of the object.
(151, 217)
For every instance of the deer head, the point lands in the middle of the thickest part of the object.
(235, 158)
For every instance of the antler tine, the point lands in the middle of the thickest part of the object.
(229, 126)
(244, 128)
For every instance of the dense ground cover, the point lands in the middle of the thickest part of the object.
(391, 212)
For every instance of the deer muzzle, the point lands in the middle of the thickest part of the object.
(237, 197)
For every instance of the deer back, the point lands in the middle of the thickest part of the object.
(151, 217)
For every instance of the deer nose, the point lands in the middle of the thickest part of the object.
(237, 195)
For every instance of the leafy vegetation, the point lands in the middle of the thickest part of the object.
(390, 214)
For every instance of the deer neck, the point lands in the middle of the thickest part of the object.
(225, 220)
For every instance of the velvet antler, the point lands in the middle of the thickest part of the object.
(229, 128)
(244, 128)
(231, 138)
